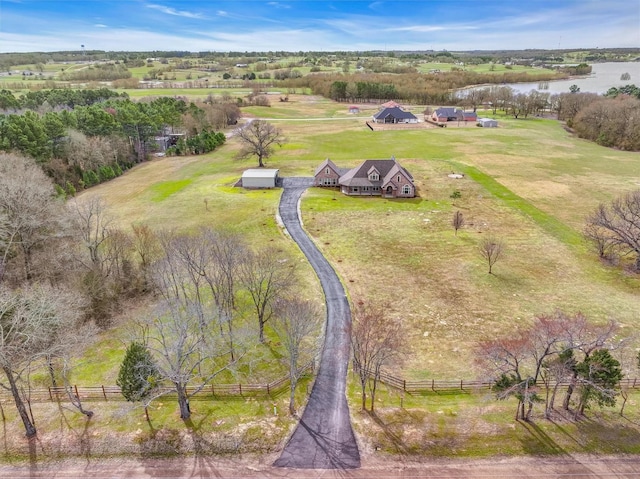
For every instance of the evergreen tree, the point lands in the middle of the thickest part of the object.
(600, 375)
(138, 373)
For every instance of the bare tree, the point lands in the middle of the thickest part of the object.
(93, 226)
(457, 222)
(258, 139)
(266, 275)
(491, 249)
(186, 352)
(208, 261)
(297, 324)
(375, 342)
(619, 224)
(33, 321)
(30, 215)
(507, 358)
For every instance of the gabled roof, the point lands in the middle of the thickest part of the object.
(324, 164)
(390, 104)
(470, 114)
(447, 111)
(359, 176)
(394, 112)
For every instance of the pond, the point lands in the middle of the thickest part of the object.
(602, 77)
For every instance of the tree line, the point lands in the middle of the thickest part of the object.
(83, 137)
(556, 349)
(409, 87)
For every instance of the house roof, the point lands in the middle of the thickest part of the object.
(328, 163)
(447, 111)
(470, 114)
(359, 176)
(394, 112)
(260, 173)
(390, 104)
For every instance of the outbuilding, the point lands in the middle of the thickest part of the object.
(260, 178)
(487, 123)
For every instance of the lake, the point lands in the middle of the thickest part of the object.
(603, 77)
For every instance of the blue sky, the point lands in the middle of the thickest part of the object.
(247, 25)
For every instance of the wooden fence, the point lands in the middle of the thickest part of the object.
(464, 385)
(272, 389)
(113, 393)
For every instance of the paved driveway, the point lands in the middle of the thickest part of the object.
(323, 438)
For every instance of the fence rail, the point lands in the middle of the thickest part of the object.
(113, 393)
(465, 385)
(272, 389)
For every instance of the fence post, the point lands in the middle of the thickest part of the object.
(75, 386)
(433, 385)
(268, 392)
(404, 384)
(240, 387)
(50, 395)
(213, 393)
(104, 393)
(461, 388)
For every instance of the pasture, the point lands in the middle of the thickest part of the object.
(528, 182)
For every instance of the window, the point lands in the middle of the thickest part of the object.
(374, 177)
(327, 171)
(406, 190)
(398, 178)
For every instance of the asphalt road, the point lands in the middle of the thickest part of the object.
(324, 437)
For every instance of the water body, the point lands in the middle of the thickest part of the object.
(602, 77)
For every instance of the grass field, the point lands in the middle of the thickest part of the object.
(528, 182)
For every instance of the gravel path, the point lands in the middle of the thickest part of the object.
(323, 438)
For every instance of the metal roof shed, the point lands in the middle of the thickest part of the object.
(260, 178)
(487, 122)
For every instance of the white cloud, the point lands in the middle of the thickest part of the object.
(278, 5)
(173, 11)
(100, 25)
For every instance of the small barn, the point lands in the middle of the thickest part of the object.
(354, 109)
(487, 123)
(260, 178)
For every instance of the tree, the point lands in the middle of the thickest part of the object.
(30, 214)
(457, 222)
(296, 323)
(491, 249)
(375, 342)
(258, 138)
(508, 357)
(186, 352)
(138, 374)
(266, 276)
(599, 375)
(619, 224)
(33, 321)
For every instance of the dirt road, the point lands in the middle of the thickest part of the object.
(564, 467)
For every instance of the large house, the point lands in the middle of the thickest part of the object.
(385, 178)
(394, 115)
(445, 114)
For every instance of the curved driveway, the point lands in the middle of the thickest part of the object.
(323, 438)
